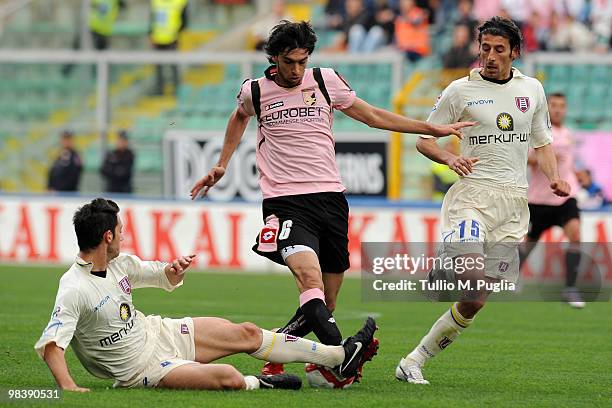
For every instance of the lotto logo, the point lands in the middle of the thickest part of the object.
(503, 266)
(290, 339)
(268, 235)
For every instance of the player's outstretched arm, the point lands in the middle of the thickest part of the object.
(54, 357)
(236, 126)
(547, 162)
(383, 119)
(429, 148)
(175, 271)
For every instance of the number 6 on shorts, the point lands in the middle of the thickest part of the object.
(285, 229)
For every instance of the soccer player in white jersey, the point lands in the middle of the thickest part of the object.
(94, 313)
(304, 207)
(487, 208)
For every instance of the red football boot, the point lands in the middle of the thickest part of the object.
(272, 368)
(368, 355)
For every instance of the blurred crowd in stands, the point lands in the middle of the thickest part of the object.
(167, 19)
(417, 26)
(447, 29)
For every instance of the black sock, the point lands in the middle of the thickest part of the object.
(522, 256)
(297, 326)
(572, 260)
(524, 250)
(322, 322)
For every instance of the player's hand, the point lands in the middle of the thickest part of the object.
(462, 165)
(200, 189)
(452, 129)
(75, 388)
(560, 187)
(179, 265)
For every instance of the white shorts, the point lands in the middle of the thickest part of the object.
(174, 347)
(485, 219)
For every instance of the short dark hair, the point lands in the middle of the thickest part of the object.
(92, 220)
(557, 95)
(502, 27)
(287, 36)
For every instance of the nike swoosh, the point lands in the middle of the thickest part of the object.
(359, 346)
(403, 372)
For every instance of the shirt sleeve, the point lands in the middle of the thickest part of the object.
(541, 128)
(147, 274)
(446, 110)
(63, 321)
(340, 93)
(245, 99)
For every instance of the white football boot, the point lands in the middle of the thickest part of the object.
(409, 370)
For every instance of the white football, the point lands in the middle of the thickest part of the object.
(322, 377)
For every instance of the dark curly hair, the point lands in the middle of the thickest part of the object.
(92, 220)
(502, 27)
(287, 36)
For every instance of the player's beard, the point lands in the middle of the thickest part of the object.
(112, 253)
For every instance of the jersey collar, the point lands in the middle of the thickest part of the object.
(83, 265)
(475, 74)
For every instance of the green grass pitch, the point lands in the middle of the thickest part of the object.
(515, 354)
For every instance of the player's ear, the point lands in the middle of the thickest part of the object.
(108, 236)
(275, 59)
(515, 53)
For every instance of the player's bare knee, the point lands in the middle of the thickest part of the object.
(230, 378)
(330, 303)
(309, 277)
(251, 335)
(470, 308)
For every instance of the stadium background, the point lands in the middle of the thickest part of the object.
(175, 136)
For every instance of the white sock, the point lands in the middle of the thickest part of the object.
(251, 382)
(285, 348)
(443, 332)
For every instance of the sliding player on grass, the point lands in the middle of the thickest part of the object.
(94, 313)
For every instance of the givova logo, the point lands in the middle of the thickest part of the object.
(480, 102)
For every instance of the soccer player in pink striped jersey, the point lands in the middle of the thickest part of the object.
(304, 207)
(548, 210)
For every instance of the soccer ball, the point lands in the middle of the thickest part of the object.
(322, 377)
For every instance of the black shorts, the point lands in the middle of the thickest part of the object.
(317, 220)
(542, 217)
